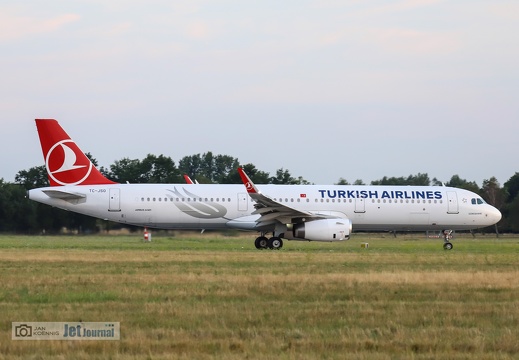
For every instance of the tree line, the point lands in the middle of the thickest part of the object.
(20, 215)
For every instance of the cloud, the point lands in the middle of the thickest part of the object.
(14, 26)
(409, 41)
(406, 5)
(508, 11)
(198, 30)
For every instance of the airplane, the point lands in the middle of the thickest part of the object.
(288, 212)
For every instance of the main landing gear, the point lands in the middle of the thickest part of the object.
(447, 236)
(262, 242)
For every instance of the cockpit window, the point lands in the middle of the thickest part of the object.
(478, 201)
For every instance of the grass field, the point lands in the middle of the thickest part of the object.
(211, 296)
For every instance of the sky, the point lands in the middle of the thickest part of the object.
(326, 89)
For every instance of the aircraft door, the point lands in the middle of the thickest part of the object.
(360, 205)
(243, 201)
(452, 199)
(114, 200)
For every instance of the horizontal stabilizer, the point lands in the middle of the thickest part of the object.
(64, 195)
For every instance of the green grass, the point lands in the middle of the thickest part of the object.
(212, 296)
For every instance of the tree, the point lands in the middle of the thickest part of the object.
(417, 180)
(223, 166)
(152, 169)
(159, 169)
(283, 177)
(16, 212)
(126, 170)
(512, 187)
(493, 193)
(257, 176)
(458, 182)
(511, 216)
(191, 165)
(436, 182)
(209, 168)
(510, 209)
(33, 178)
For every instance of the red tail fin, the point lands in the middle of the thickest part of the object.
(66, 164)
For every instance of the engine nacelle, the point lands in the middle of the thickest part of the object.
(323, 230)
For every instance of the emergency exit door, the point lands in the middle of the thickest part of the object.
(115, 200)
(452, 199)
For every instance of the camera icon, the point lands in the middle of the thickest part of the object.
(23, 330)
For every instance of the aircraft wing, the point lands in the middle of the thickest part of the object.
(271, 211)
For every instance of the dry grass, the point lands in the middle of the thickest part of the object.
(399, 299)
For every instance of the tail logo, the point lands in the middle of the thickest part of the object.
(63, 166)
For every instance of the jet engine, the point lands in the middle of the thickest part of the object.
(323, 230)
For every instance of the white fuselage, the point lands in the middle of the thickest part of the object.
(199, 206)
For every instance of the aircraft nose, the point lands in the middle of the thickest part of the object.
(494, 215)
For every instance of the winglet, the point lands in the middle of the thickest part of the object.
(188, 179)
(249, 185)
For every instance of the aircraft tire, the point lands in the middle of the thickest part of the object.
(447, 246)
(275, 243)
(261, 243)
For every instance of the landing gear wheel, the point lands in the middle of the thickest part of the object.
(275, 243)
(447, 235)
(261, 242)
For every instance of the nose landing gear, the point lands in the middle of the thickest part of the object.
(447, 236)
